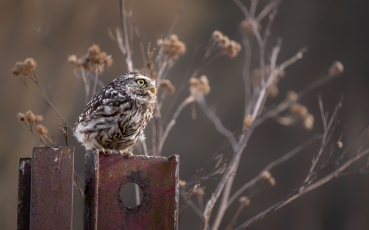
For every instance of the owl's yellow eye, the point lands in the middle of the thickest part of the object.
(140, 81)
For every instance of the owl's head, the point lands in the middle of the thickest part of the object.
(139, 85)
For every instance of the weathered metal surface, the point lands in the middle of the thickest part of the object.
(52, 188)
(24, 193)
(157, 178)
(90, 208)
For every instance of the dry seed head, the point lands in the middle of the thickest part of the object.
(308, 122)
(198, 191)
(167, 85)
(271, 181)
(181, 183)
(256, 76)
(25, 67)
(244, 201)
(339, 144)
(94, 60)
(228, 47)
(298, 110)
(336, 69)
(199, 86)
(273, 91)
(248, 121)
(232, 49)
(39, 118)
(267, 177)
(172, 47)
(217, 35)
(73, 59)
(42, 130)
(247, 26)
(30, 117)
(93, 50)
(21, 117)
(281, 72)
(291, 96)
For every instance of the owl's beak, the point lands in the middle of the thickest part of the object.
(153, 90)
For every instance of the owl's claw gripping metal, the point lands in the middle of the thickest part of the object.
(127, 153)
(107, 151)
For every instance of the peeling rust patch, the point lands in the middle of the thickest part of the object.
(106, 176)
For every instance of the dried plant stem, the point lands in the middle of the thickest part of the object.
(187, 199)
(187, 101)
(271, 166)
(235, 216)
(231, 169)
(246, 71)
(96, 78)
(48, 102)
(80, 191)
(299, 193)
(272, 5)
(125, 42)
(243, 8)
(287, 103)
(217, 122)
(323, 145)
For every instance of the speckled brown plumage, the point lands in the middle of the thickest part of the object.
(115, 118)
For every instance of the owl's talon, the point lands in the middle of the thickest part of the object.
(107, 151)
(125, 153)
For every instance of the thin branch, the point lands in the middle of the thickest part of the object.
(217, 122)
(173, 121)
(49, 102)
(307, 189)
(242, 144)
(266, 10)
(271, 166)
(125, 42)
(323, 144)
(287, 103)
(243, 8)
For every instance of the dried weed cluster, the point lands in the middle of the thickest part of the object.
(167, 86)
(25, 67)
(172, 47)
(93, 61)
(228, 47)
(199, 86)
(249, 25)
(33, 121)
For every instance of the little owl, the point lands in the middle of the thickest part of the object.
(115, 118)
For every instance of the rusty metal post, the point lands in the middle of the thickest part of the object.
(52, 188)
(24, 193)
(105, 176)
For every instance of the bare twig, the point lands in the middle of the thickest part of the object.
(271, 166)
(173, 121)
(217, 122)
(232, 168)
(48, 102)
(307, 189)
(125, 42)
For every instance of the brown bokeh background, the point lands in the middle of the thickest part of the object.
(331, 29)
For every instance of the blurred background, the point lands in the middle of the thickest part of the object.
(331, 30)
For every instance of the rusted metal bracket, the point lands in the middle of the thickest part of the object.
(24, 193)
(45, 190)
(105, 176)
